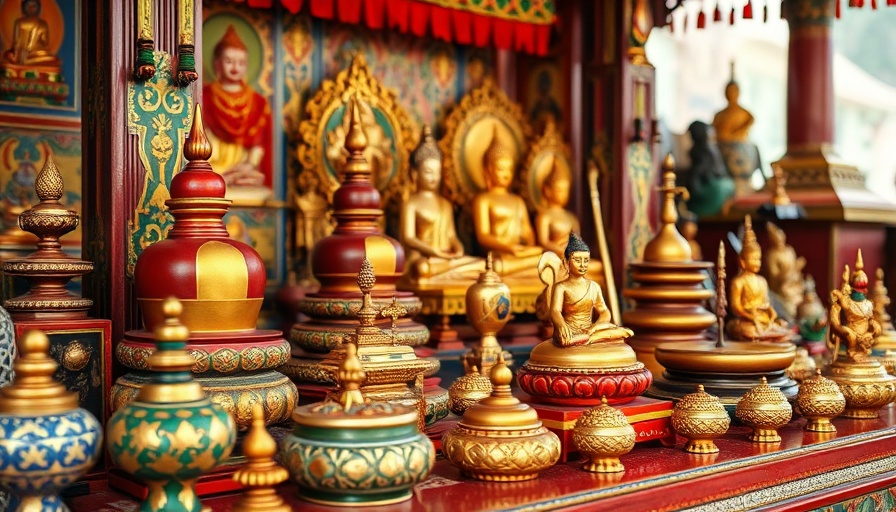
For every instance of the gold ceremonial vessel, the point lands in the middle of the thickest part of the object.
(602, 434)
(468, 390)
(764, 409)
(501, 439)
(488, 311)
(700, 418)
(820, 400)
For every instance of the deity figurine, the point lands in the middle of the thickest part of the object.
(811, 316)
(732, 125)
(575, 300)
(238, 122)
(312, 220)
(31, 39)
(748, 299)
(784, 270)
(427, 223)
(881, 298)
(500, 217)
(554, 222)
(852, 316)
(708, 181)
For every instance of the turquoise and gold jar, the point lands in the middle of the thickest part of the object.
(351, 452)
(46, 441)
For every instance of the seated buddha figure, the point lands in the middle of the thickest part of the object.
(748, 299)
(576, 300)
(31, 39)
(732, 126)
(784, 270)
(433, 250)
(554, 222)
(500, 217)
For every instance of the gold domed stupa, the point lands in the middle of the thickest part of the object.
(765, 410)
(501, 439)
(727, 369)
(864, 382)
(586, 359)
(820, 400)
(668, 291)
(602, 434)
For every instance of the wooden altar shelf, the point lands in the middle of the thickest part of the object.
(803, 472)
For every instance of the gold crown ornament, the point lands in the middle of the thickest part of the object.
(700, 418)
(764, 409)
(602, 434)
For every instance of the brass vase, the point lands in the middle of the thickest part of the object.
(468, 390)
(602, 434)
(488, 310)
(46, 441)
(700, 418)
(764, 409)
(501, 439)
(820, 400)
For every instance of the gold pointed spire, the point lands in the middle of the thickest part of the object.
(197, 147)
(261, 473)
(750, 244)
(356, 140)
(48, 184)
(172, 359)
(34, 391)
(350, 376)
(860, 265)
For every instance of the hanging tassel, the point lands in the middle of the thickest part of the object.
(146, 62)
(748, 10)
(717, 14)
(765, 13)
(856, 3)
(701, 20)
(837, 10)
(874, 4)
(684, 23)
(671, 24)
(186, 60)
(731, 17)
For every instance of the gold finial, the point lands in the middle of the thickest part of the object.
(33, 391)
(366, 278)
(763, 381)
(669, 213)
(700, 388)
(197, 147)
(879, 275)
(501, 376)
(489, 262)
(261, 473)
(172, 359)
(750, 244)
(350, 375)
(669, 162)
(860, 265)
(48, 183)
(356, 140)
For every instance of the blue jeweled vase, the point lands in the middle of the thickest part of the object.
(46, 441)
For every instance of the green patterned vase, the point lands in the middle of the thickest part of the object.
(171, 433)
(46, 441)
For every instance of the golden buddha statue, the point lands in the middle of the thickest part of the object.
(589, 351)
(733, 123)
(852, 316)
(784, 270)
(500, 217)
(754, 318)
(554, 223)
(881, 299)
(31, 39)
(433, 250)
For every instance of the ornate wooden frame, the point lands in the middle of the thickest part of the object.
(487, 102)
(332, 96)
(549, 145)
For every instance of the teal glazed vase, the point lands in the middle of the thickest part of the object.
(172, 432)
(46, 441)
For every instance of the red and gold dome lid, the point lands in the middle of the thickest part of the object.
(219, 281)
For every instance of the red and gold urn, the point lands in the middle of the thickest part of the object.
(220, 282)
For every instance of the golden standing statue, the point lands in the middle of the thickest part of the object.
(500, 218)
(554, 222)
(852, 316)
(784, 269)
(427, 223)
(733, 123)
(31, 39)
(754, 318)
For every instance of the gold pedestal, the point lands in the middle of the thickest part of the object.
(866, 386)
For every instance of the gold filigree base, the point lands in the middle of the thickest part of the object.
(701, 446)
(604, 465)
(501, 455)
(820, 425)
(866, 386)
(764, 435)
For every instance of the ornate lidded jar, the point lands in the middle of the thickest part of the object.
(171, 417)
(468, 390)
(501, 439)
(764, 409)
(488, 311)
(700, 417)
(46, 441)
(820, 400)
(603, 434)
(351, 452)
(220, 283)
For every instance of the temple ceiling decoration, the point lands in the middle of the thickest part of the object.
(505, 24)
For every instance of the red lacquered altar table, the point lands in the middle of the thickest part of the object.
(804, 471)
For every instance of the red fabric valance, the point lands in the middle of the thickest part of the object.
(755, 9)
(506, 24)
